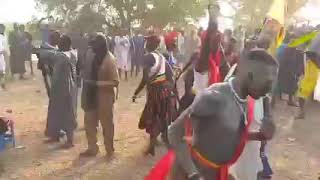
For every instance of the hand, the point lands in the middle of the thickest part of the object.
(134, 97)
(268, 129)
(214, 10)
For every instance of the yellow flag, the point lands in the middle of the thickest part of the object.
(278, 11)
(274, 24)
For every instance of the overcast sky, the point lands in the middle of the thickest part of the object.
(17, 10)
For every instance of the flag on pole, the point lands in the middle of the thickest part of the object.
(278, 11)
(304, 39)
(274, 24)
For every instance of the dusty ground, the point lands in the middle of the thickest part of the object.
(295, 149)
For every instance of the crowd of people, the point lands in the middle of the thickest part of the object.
(228, 87)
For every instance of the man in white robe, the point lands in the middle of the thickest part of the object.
(122, 53)
(249, 163)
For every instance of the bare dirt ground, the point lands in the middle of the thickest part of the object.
(295, 153)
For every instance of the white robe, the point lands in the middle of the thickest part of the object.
(249, 163)
(122, 53)
(3, 45)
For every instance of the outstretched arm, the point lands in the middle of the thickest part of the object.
(46, 56)
(211, 42)
(148, 63)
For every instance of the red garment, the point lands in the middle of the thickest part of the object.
(171, 40)
(214, 68)
(214, 61)
(162, 169)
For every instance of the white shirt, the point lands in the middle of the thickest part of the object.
(200, 81)
(154, 68)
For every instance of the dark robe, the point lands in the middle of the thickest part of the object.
(63, 94)
(17, 64)
(25, 47)
(291, 67)
(137, 50)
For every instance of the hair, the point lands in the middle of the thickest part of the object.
(54, 37)
(152, 43)
(65, 43)
(261, 55)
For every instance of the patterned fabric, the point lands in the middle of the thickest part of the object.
(160, 109)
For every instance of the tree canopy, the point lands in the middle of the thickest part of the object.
(116, 14)
(97, 15)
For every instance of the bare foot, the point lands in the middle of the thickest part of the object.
(300, 116)
(67, 145)
(150, 151)
(292, 104)
(51, 141)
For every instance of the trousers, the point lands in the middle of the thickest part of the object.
(103, 114)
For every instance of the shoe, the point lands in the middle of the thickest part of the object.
(89, 153)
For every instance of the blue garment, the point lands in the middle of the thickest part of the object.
(172, 60)
(281, 50)
(137, 49)
(45, 34)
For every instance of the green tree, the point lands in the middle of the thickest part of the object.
(116, 14)
(251, 13)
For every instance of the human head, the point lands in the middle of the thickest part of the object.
(214, 10)
(22, 28)
(257, 72)
(228, 32)
(2, 29)
(182, 32)
(99, 45)
(264, 41)
(15, 27)
(152, 43)
(54, 38)
(64, 43)
(193, 33)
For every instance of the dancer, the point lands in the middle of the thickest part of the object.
(220, 121)
(160, 108)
